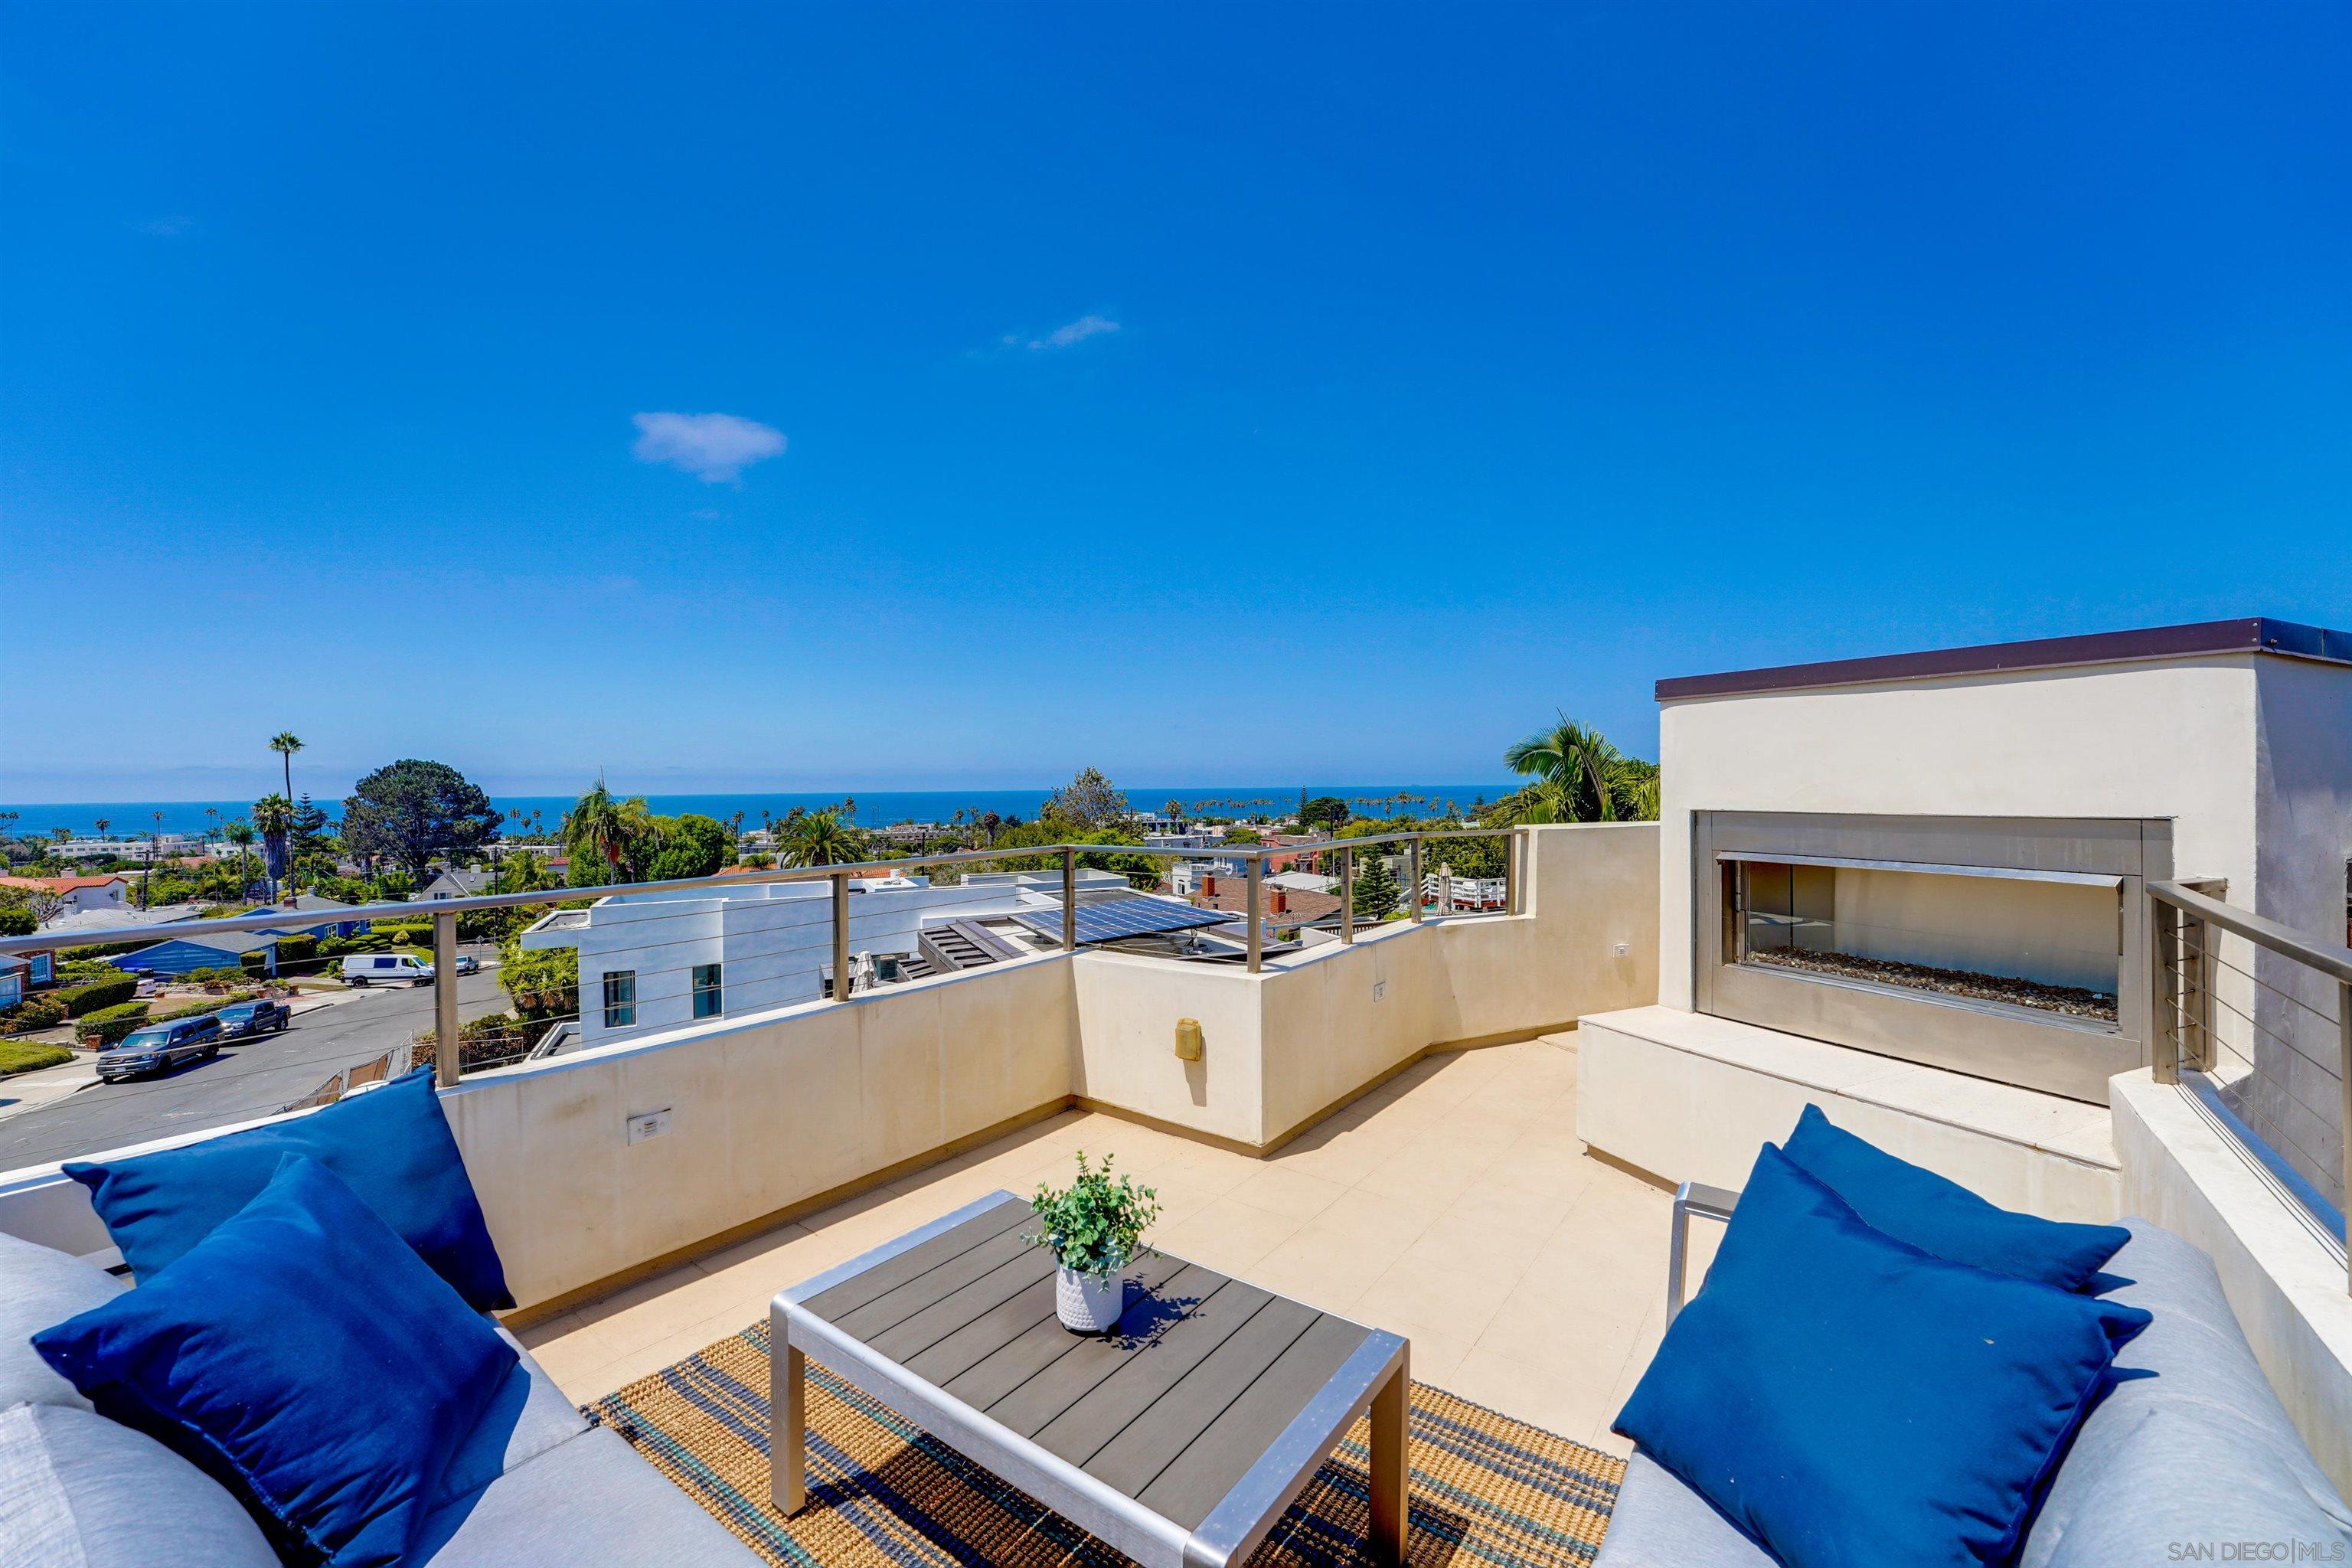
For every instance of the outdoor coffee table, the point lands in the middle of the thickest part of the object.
(1178, 1438)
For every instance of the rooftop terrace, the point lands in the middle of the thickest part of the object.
(1455, 1205)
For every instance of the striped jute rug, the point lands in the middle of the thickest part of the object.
(885, 1494)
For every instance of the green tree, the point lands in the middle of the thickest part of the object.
(817, 838)
(273, 816)
(606, 837)
(1576, 770)
(1324, 813)
(1242, 836)
(413, 810)
(1087, 802)
(286, 743)
(1376, 887)
(239, 832)
(690, 845)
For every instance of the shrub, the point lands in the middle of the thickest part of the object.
(22, 1055)
(493, 1040)
(296, 949)
(33, 1013)
(89, 998)
(108, 1025)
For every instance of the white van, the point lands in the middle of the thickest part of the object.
(385, 969)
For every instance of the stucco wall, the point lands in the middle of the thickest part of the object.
(2172, 739)
(1315, 1027)
(1690, 1097)
(764, 1114)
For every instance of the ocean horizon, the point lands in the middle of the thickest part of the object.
(874, 808)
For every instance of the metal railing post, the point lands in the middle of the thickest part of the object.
(1413, 865)
(841, 936)
(1346, 895)
(2162, 947)
(446, 1069)
(1444, 888)
(1069, 900)
(2344, 1094)
(1254, 882)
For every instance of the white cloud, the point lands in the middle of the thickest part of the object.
(1077, 331)
(713, 447)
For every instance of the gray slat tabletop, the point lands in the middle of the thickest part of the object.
(1173, 1410)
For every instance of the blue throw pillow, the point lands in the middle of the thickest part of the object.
(390, 1145)
(303, 1355)
(1847, 1401)
(1943, 1218)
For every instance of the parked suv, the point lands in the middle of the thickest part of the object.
(159, 1047)
(241, 1019)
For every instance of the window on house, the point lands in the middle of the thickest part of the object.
(707, 1003)
(619, 998)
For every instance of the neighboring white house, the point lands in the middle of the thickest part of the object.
(653, 960)
(163, 845)
(78, 895)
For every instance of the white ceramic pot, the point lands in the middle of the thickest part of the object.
(1088, 1303)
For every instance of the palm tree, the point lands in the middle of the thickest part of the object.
(817, 839)
(273, 815)
(241, 832)
(1575, 768)
(286, 744)
(101, 827)
(608, 829)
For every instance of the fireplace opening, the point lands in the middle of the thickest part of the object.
(2048, 942)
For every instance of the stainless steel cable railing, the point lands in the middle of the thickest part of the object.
(445, 913)
(2274, 1066)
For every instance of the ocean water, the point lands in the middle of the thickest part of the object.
(875, 808)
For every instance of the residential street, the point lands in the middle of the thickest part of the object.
(249, 1079)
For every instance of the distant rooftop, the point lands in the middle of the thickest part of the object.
(2257, 634)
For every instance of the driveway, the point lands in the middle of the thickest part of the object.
(249, 1079)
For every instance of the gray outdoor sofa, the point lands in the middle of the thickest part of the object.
(2188, 1458)
(78, 1491)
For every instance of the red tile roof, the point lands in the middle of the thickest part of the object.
(59, 885)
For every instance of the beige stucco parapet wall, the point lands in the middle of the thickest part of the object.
(777, 1113)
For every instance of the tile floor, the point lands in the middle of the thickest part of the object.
(1455, 1205)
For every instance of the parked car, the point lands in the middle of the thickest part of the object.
(241, 1019)
(385, 969)
(468, 964)
(159, 1047)
(148, 987)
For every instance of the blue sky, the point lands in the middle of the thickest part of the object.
(1202, 392)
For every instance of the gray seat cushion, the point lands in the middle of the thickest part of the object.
(589, 1501)
(1660, 1523)
(2191, 1448)
(529, 1415)
(2190, 1451)
(40, 1287)
(78, 1491)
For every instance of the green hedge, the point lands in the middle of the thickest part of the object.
(98, 994)
(32, 1012)
(108, 1025)
(296, 948)
(22, 1055)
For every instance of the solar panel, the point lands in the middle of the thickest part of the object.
(1123, 917)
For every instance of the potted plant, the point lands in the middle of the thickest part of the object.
(1093, 1228)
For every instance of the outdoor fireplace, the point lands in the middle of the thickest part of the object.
(2007, 948)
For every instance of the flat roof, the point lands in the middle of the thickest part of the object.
(2256, 634)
